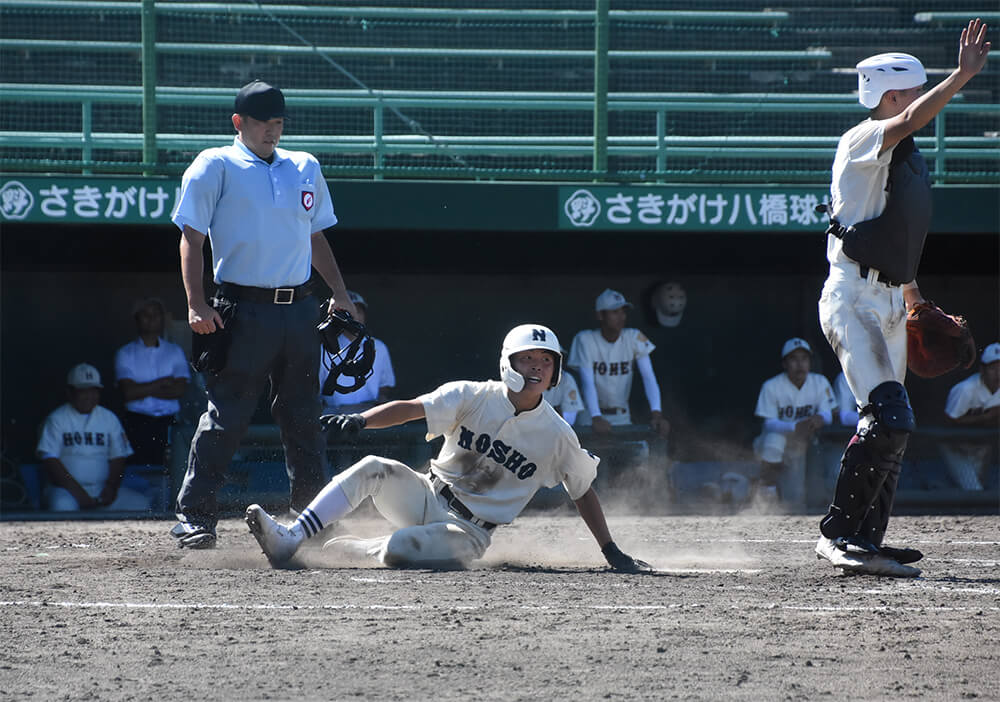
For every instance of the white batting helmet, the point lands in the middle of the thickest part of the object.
(884, 72)
(527, 337)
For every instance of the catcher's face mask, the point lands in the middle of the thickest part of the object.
(354, 360)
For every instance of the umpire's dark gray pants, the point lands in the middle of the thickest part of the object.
(269, 342)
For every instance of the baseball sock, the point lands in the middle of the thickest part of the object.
(330, 505)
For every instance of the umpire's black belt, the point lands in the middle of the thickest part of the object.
(456, 504)
(882, 277)
(271, 296)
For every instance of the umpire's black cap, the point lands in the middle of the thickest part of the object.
(260, 100)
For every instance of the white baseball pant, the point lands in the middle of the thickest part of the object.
(864, 321)
(427, 532)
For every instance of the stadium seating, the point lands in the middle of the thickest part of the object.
(505, 91)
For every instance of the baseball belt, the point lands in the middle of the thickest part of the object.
(882, 277)
(272, 296)
(456, 504)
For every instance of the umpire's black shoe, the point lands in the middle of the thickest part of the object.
(196, 536)
(901, 555)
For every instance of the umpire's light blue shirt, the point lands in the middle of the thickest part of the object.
(259, 216)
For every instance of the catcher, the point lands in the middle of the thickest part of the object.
(502, 442)
(879, 216)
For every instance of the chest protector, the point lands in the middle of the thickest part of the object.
(894, 241)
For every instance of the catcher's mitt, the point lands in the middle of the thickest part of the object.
(937, 342)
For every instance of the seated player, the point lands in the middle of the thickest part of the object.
(792, 406)
(502, 443)
(606, 359)
(974, 402)
(83, 448)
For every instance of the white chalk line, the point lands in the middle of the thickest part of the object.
(659, 539)
(904, 582)
(812, 540)
(819, 609)
(937, 587)
(670, 571)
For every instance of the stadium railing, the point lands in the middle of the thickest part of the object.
(955, 17)
(772, 150)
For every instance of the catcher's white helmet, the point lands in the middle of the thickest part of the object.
(525, 338)
(884, 72)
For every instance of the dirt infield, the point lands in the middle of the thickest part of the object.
(740, 609)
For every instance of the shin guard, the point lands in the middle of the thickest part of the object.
(869, 470)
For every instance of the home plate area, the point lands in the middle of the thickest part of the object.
(739, 606)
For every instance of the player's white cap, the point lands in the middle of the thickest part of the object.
(884, 72)
(793, 344)
(611, 300)
(991, 354)
(84, 376)
(356, 298)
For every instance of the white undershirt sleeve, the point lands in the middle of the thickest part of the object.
(649, 382)
(779, 425)
(848, 417)
(589, 390)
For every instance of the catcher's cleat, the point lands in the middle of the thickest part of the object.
(859, 562)
(847, 560)
(277, 542)
(901, 555)
(855, 544)
(194, 536)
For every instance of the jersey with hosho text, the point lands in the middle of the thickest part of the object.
(613, 363)
(495, 460)
(970, 395)
(84, 443)
(780, 399)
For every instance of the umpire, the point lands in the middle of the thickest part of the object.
(264, 210)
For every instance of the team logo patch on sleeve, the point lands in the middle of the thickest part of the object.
(307, 200)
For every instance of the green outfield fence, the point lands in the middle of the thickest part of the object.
(556, 90)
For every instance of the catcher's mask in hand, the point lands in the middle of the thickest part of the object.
(354, 360)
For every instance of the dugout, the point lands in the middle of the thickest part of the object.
(488, 165)
(448, 268)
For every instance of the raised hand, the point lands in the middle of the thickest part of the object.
(973, 47)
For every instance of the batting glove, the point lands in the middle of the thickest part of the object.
(621, 562)
(346, 424)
